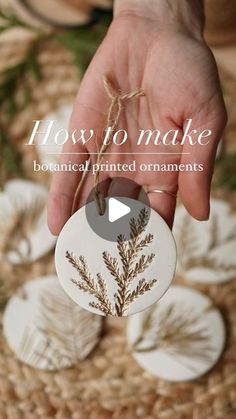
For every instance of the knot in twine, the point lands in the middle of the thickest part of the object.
(118, 98)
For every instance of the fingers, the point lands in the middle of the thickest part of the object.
(124, 187)
(87, 117)
(195, 185)
(108, 187)
(164, 204)
(86, 192)
(62, 191)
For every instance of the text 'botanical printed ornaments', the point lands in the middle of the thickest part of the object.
(180, 338)
(206, 249)
(116, 277)
(46, 329)
(24, 233)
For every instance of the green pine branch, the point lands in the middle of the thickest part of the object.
(10, 158)
(9, 21)
(17, 76)
(84, 41)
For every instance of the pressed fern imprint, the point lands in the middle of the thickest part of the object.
(24, 222)
(63, 334)
(125, 271)
(189, 246)
(178, 331)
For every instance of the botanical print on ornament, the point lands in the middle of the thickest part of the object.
(52, 331)
(179, 338)
(125, 271)
(206, 249)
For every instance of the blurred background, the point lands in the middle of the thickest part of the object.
(45, 48)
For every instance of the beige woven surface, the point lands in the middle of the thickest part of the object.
(109, 384)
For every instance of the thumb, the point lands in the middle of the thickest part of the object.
(195, 185)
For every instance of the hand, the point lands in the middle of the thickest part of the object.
(163, 52)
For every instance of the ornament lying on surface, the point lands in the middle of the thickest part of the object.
(116, 278)
(180, 338)
(206, 249)
(52, 331)
(25, 236)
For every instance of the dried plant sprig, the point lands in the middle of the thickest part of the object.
(129, 251)
(124, 271)
(141, 289)
(87, 284)
(177, 330)
(112, 266)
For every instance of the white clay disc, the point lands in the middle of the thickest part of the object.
(206, 249)
(46, 329)
(50, 152)
(179, 338)
(25, 236)
(88, 280)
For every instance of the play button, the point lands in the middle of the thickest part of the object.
(117, 210)
(120, 208)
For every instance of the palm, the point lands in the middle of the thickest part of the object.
(180, 81)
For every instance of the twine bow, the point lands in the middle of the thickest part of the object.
(118, 98)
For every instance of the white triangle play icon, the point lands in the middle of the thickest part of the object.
(117, 210)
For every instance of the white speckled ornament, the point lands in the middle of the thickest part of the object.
(46, 329)
(206, 249)
(180, 338)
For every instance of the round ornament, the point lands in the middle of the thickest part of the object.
(180, 338)
(206, 249)
(116, 277)
(46, 329)
(25, 236)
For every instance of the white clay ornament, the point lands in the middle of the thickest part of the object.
(206, 249)
(116, 277)
(180, 338)
(25, 236)
(52, 331)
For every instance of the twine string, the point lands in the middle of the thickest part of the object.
(118, 98)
